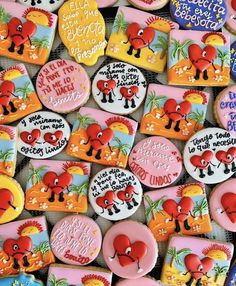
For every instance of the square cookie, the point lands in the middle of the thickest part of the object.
(8, 151)
(140, 38)
(173, 112)
(102, 137)
(18, 94)
(180, 209)
(57, 186)
(196, 261)
(25, 246)
(198, 58)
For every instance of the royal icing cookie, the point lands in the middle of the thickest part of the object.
(12, 199)
(199, 15)
(225, 109)
(149, 5)
(231, 16)
(196, 261)
(119, 88)
(209, 155)
(76, 239)
(233, 61)
(140, 38)
(105, 3)
(139, 282)
(102, 137)
(17, 94)
(25, 246)
(115, 193)
(231, 279)
(77, 275)
(49, 5)
(27, 33)
(156, 162)
(173, 112)
(180, 209)
(20, 279)
(63, 85)
(85, 40)
(57, 186)
(223, 205)
(42, 135)
(198, 58)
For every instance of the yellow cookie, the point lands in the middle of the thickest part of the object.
(12, 199)
(82, 30)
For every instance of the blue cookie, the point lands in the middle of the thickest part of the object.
(231, 279)
(233, 61)
(20, 279)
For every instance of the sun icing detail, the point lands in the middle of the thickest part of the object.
(6, 133)
(160, 24)
(120, 124)
(190, 190)
(39, 16)
(29, 228)
(94, 280)
(214, 39)
(217, 252)
(195, 97)
(75, 168)
(12, 73)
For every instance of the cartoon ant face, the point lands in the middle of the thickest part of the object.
(227, 158)
(127, 196)
(6, 201)
(128, 94)
(30, 137)
(7, 89)
(106, 87)
(53, 138)
(107, 202)
(203, 162)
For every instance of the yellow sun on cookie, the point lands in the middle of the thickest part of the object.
(38, 16)
(94, 280)
(195, 97)
(29, 228)
(120, 124)
(6, 133)
(217, 252)
(77, 168)
(214, 39)
(190, 190)
(160, 24)
(12, 73)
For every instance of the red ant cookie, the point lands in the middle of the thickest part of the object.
(115, 193)
(139, 282)
(210, 155)
(156, 161)
(231, 17)
(49, 5)
(130, 249)
(223, 205)
(42, 135)
(149, 5)
(119, 88)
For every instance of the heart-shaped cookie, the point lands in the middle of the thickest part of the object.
(127, 194)
(177, 111)
(228, 201)
(6, 200)
(106, 201)
(57, 183)
(30, 137)
(129, 93)
(203, 160)
(7, 87)
(17, 248)
(106, 86)
(53, 138)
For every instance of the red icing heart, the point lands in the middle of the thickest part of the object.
(106, 86)
(53, 138)
(57, 183)
(203, 160)
(6, 200)
(202, 58)
(128, 252)
(228, 201)
(139, 37)
(30, 137)
(179, 211)
(226, 157)
(99, 138)
(197, 267)
(21, 32)
(7, 87)
(106, 202)
(17, 248)
(233, 4)
(130, 92)
(127, 194)
(177, 111)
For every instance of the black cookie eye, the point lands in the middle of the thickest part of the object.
(126, 195)
(56, 181)
(129, 91)
(140, 32)
(128, 250)
(19, 28)
(15, 247)
(229, 157)
(200, 268)
(106, 202)
(177, 108)
(105, 84)
(179, 209)
(53, 137)
(29, 137)
(203, 162)
(99, 135)
(204, 53)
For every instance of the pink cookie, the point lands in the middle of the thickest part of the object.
(129, 249)
(149, 5)
(105, 3)
(223, 205)
(156, 162)
(231, 18)
(63, 85)
(139, 282)
(76, 240)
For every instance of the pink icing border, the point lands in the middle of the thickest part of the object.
(144, 281)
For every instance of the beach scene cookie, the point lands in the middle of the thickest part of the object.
(233, 61)
(156, 161)
(231, 16)
(139, 282)
(130, 249)
(197, 58)
(57, 186)
(115, 193)
(149, 5)
(20, 279)
(140, 38)
(49, 5)
(173, 112)
(105, 3)
(76, 240)
(119, 88)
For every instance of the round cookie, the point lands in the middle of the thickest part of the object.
(149, 5)
(231, 279)
(63, 85)
(12, 199)
(42, 135)
(105, 3)
(199, 15)
(231, 16)
(225, 109)
(76, 240)
(119, 88)
(223, 205)
(156, 162)
(139, 282)
(233, 61)
(115, 193)
(48, 5)
(210, 155)
(130, 249)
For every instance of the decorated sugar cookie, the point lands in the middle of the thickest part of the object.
(102, 137)
(210, 155)
(42, 135)
(76, 240)
(17, 94)
(180, 209)
(203, 60)
(231, 16)
(149, 5)
(140, 38)
(49, 5)
(57, 186)
(231, 279)
(77, 275)
(139, 282)
(156, 162)
(233, 61)
(25, 246)
(85, 40)
(20, 279)
(63, 85)
(105, 3)
(12, 199)
(27, 33)
(115, 193)
(173, 112)
(196, 261)
(119, 88)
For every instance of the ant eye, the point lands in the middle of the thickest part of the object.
(200, 268)
(203, 162)
(29, 137)
(19, 28)
(229, 157)
(15, 247)
(53, 137)
(106, 202)
(56, 181)
(204, 54)
(140, 32)
(128, 250)
(177, 108)
(99, 135)
(179, 209)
